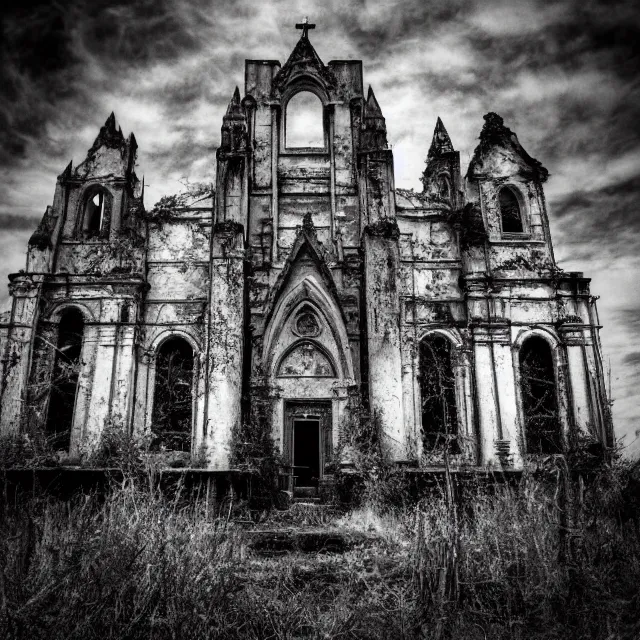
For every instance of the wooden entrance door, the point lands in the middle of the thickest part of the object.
(308, 439)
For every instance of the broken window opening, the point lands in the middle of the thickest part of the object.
(539, 397)
(304, 122)
(510, 212)
(95, 221)
(64, 383)
(173, 396)
(444, 187)
(438, 393)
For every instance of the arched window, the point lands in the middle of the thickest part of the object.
(510, 212)
(304, 122)
(173, 396)
(539, 397)
(64, 383)
(96, 215)
(438, 393)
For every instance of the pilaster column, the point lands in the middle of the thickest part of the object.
(573, 337)
(382, 266)
(496, 392)
(17, 350)
(225, 347)
(95, 383)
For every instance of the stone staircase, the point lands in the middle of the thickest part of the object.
(307, 495)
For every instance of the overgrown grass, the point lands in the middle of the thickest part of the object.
(529, 563)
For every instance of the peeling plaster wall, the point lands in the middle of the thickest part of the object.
(382, 268)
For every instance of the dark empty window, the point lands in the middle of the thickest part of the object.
(510, 212)
(64, 383)
(96, 213)
(444, 187)
(539, 397)
(172, 407)
(438, 393)
(304, 121)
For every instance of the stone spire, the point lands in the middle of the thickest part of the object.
(375, 129)
(441, 175)
(441, 142)
(235, 109)
(234, 125)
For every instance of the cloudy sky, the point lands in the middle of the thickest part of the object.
(564, 75)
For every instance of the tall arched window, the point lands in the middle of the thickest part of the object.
(304, 122)
(64, 383)
(438, 394)
(539, 397)
(444, 187)
(96, 213)
(173, 396)
(510, 212)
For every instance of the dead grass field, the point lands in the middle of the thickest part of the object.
(509, 565)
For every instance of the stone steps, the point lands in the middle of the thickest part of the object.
(275, 542)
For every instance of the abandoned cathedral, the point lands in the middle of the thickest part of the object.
(306, 293)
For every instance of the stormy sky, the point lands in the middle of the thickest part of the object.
(564, 75)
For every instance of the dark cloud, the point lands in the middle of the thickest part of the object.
(633, 359)
(600, 222)
(9, 221)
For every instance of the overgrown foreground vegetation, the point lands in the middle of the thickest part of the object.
(514, 564)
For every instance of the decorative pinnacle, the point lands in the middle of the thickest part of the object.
(441, 142)
(307, 223)
(372, 106)
(110, 123)
(234, 103)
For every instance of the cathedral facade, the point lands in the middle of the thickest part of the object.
(306, 289)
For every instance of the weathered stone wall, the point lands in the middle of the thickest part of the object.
(318, 231)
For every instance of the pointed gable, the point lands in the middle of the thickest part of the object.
(306, 249)
(306, 283)
(110, 154)
(109, 136)
(500, 154)
(304, 62)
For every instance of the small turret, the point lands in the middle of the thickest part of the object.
(442, 173)
(234, 127)
(441, 142)
(374, 135)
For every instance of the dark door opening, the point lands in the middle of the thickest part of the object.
(306, 452)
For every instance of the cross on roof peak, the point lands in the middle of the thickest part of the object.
(305, 25)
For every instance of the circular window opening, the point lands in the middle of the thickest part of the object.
(307, 324)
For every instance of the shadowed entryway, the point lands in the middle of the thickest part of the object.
(308, 439)
(306, 452)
